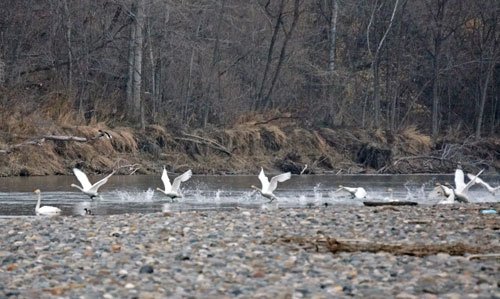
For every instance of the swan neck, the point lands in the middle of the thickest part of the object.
(38, 202)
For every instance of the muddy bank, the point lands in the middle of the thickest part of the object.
(280, 143)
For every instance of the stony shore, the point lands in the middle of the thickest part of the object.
(390, 252)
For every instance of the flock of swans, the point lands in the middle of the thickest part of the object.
(457, 193)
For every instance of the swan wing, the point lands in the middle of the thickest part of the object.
(279, 178)
(82, 178)
(351, 190)
(472, 182)
(96, 186)
(483, 183)
(166, 180)
(182, 178)
(264, 181)
(459, 180)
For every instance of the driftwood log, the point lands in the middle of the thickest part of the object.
(337, 245)
(41, 140)
(389, 203)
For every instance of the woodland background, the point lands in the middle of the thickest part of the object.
(229, 86)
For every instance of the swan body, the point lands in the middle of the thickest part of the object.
(447, 192)
(87, 187)
(172, 190)
(490, 189)
(356, 192)
(461, 188)
(45, 210)
(268, 187)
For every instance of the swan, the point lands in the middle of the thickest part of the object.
(492, 190)
(447, 192)
(172, 190)
(269, 187)
(356, 192)
(87, 187)
(46, 210)
(461, 189)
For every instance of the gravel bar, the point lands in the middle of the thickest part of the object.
(255, 253)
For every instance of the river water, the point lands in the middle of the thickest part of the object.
(137, 193)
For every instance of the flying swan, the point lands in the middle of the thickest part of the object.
(87, 187)
(461, 189)
(269, 187)
(492, 190)
(356, 192)
(172, 190)
(46, 210)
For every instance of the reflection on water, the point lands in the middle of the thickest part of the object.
(135, 194)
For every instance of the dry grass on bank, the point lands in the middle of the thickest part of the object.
(275, 141)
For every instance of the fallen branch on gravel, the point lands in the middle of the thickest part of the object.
(389, 203)
(356, 245)
(334, 245)
(483, 256)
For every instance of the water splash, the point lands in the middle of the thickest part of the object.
(134, 196)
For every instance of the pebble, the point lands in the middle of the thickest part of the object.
(270, 252)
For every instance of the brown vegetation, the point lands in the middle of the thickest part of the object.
(273, 140)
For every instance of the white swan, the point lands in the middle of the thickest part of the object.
(356, 192)
(87, 187)
(461, 189)
(492, 190)
(46, 210)
(172, 190)
(447, 192)
(269, 187)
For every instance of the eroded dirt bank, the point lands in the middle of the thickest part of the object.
(39, 147)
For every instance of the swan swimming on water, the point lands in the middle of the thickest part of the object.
(87, 187)
(490, 189)
(172, 190)
(356, 192)
(46, 210)
(269, 187)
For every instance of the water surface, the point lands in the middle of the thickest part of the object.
(136, 194)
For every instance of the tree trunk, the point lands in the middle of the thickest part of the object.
(260, 95)
(288, 36)
(333, 35)
(138, 44)
(69, 46)
(134, 83)
(131, 64)
(376, 62)
(484, 96)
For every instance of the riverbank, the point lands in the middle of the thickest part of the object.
(280, 143)
(272, 253)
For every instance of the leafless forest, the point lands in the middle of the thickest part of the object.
(430, 65)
